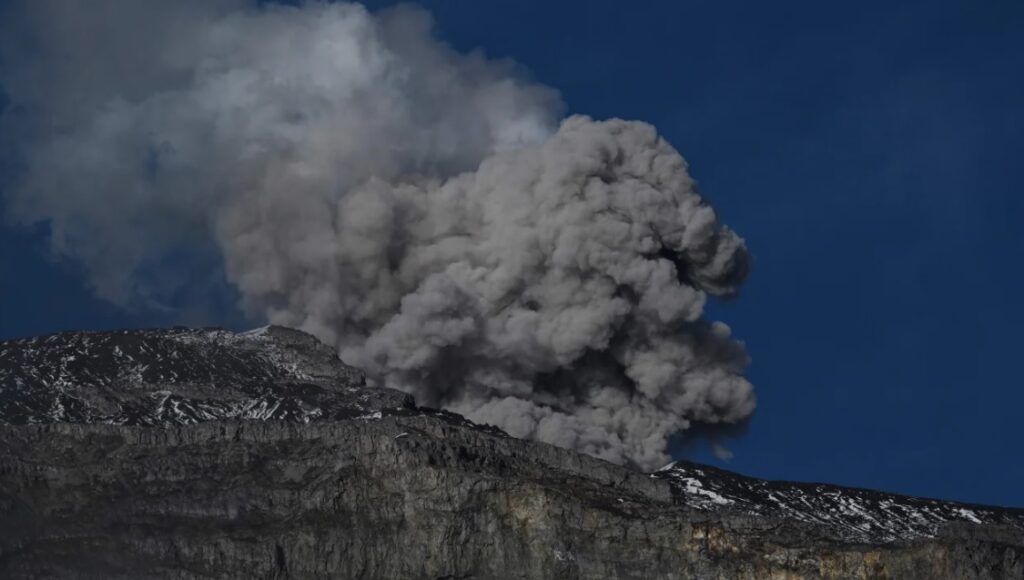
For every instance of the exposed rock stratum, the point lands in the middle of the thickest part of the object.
(207, 454)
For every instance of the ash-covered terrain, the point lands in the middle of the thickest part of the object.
(207, 454)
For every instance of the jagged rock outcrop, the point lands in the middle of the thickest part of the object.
(206, 454)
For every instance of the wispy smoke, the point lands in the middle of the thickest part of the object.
(422, 209)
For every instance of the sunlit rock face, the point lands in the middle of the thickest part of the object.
(204, 453)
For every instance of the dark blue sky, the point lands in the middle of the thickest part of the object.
(872, 155)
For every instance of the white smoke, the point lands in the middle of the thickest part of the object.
(423, 210)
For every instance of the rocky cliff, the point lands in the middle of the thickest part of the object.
(206, 454)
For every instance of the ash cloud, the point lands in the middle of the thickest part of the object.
(428, 212)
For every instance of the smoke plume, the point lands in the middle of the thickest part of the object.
(429, 212)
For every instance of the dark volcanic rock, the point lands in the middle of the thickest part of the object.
(184, 453)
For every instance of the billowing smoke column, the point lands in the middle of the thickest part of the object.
(423, 210)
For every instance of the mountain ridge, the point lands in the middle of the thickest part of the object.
(281, 455)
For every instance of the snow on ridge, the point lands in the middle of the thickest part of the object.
(851, 514)
(666, 467)
(255, 332)
(179, 376)
(699, 495)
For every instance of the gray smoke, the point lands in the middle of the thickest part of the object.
(422, 209)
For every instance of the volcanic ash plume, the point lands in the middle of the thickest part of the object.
(421, 209)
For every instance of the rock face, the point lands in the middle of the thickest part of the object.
(206, 454)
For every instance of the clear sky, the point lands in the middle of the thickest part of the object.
(870, 153)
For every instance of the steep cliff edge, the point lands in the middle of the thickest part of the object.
(202, 453)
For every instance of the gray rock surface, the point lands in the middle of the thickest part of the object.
(102, 478)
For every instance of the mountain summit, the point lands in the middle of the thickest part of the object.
(189, 453)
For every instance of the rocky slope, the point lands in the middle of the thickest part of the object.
(202, 453)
